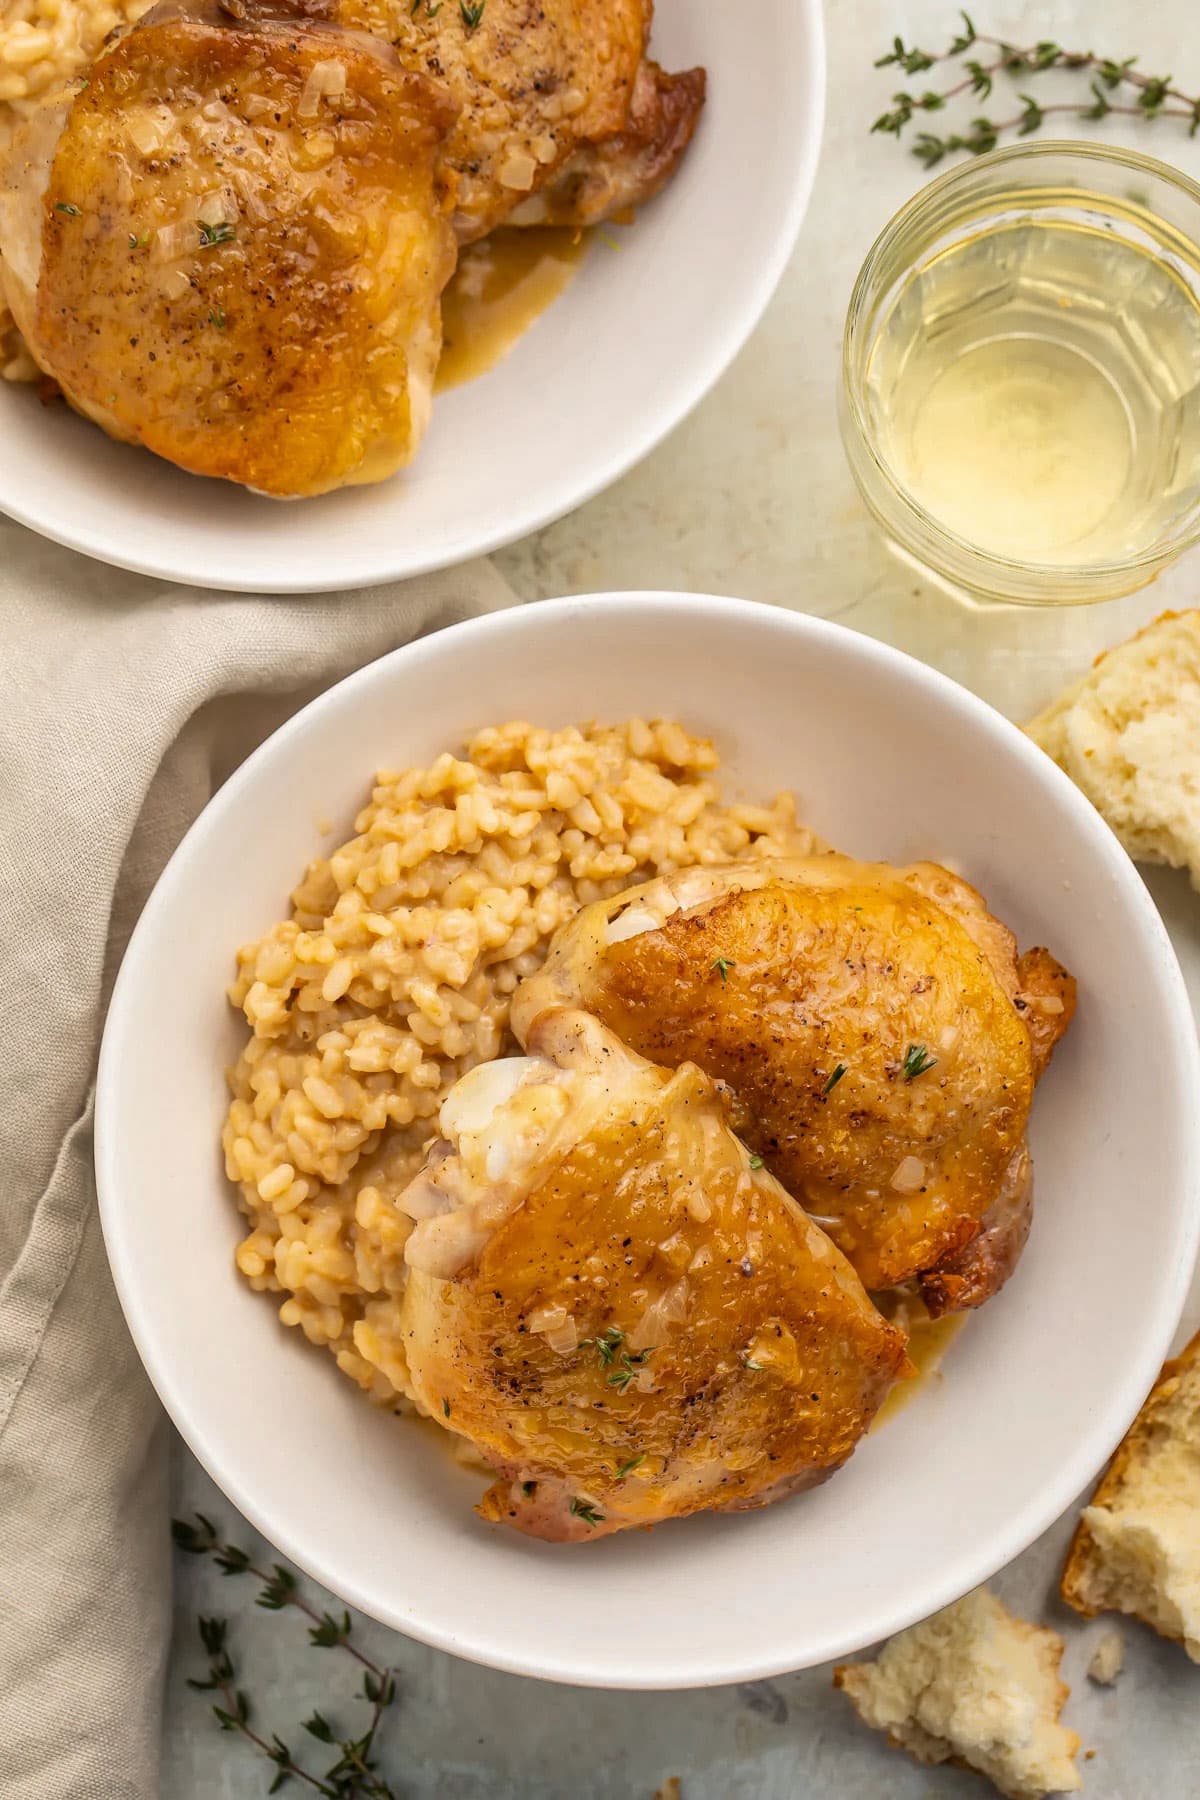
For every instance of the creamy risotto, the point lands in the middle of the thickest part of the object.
(393, 975)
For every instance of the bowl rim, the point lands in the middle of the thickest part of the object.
(559, 497)
(1099, 1433)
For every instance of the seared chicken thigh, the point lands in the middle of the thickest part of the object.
(627, 1317)
(870, 1024)
(230, 242)
(610, 178)
(228, 246)
(549, 92)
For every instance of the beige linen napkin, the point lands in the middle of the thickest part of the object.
(125, 702)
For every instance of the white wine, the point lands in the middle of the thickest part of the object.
(1035, 384)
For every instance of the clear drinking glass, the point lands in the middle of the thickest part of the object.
(1020, 398)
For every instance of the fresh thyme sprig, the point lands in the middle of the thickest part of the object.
(353, 1775)
(983, 57)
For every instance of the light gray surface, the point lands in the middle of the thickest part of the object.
(752, 497)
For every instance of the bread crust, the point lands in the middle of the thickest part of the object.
(1083, 1557)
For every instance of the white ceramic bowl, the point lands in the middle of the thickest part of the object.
(619, 359)
(889, 759)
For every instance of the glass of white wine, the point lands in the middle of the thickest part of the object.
(1021, 374)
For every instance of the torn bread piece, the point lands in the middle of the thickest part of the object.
(1128, 735)
(976, 1686)
(1136, 1548)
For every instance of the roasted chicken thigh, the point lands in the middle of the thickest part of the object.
(871, 1025)
(230, 246)
(626, 1316)
(230, 242)
(554, 97)
(609, 178)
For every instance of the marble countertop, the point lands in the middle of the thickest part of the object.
(752, 497)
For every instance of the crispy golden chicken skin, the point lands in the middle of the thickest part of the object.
(628, 1319)
(870, 1025)
(622, 172)
(539, 83)
(230, 248)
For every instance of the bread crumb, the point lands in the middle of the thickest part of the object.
(1128, 735)
(976, 1686)
(1136, 1548)
(670, 1789)
(1108, 1659)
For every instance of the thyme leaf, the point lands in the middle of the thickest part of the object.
(621, 1378)
(916, 1061)
(606, 1343)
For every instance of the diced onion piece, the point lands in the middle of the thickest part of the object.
(676, 1250)
(565, 1339)
(909, 1174)
(1048, 1003)
(327, 80)
(517, 171)
(149, 130)
(548, 1318)
(214, 209)
(175, 240)
(315, 150)
(669, 1309)
(557, 1326)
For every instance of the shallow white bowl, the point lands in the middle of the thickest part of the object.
(889, 759)
(619, 359)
